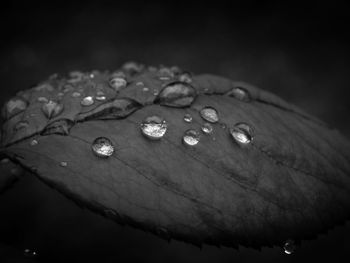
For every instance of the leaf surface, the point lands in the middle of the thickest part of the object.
(291, 182)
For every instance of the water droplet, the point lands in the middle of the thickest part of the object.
(51, 109)
(177, 94)
(242, 133)
(145, 89)
(191, 137)
(207, 128)
(102, 147)
(87, 101)
(100, 98)
(117, 83)
(155, 92)
(76, 94)
(188, 118)
(29, 253)
(209, 114)
(289, 247)
(15, 106)
(140, 83)
(34, 142)
(185, 77)
(42, 99)
(240, 94)
(223, 125)
(21, 125)
(154, 127)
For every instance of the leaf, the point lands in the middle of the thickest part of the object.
(290, 182)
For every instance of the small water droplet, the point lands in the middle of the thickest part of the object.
(145, 89)
(140, 83)
(34, 142)
(289, 247)
(102, 147)
(207, 128)
(29, 253)
(155, 92)
(188, 118)
(223, 125)
(191, 137)
(63, 164)
(209, 114)
(87, 101)
(154, 127)
(185, 77)
(51, 109)
(117, 83)
(42, 99)
(240, 94)
(76, 94)
(100, 98)
(242, 133)
(21, 125)
(177, 94)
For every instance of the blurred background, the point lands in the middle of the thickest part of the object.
(301, 53)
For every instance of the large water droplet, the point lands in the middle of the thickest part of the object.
(240, 94)
(191, 137)
(52, 108)
(87, 101)
(289, 247)
(209, 114)
(117, 83)
(21, 125)
(207, 128)
(242, 133)
(15, 106)
(154, 127)
(177, 94)
(188, 118)
(102, 147)
(29, 253)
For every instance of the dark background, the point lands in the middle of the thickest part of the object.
(298, 52)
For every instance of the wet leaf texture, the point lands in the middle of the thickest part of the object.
(197, 158)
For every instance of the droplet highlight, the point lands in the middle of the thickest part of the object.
(188, 118)
(29, 253)
(242, 133)
(102, 147)
(87, 101)
(52, 109)
(209, 114)
(191, 137)
(207, 128)
(34, 142)
(177, 94)
(154, 127)
(289, 247)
